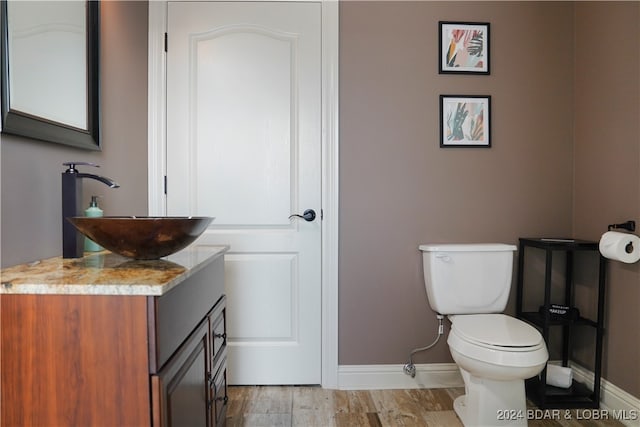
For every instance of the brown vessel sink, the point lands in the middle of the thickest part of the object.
(142, 237)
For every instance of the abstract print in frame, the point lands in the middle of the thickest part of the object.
(464, 47)
(465, 121)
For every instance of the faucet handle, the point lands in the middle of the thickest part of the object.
(72, 165)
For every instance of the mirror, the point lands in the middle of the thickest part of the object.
(49, 71)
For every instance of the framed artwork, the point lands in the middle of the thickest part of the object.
(464, 47)
(465, 121)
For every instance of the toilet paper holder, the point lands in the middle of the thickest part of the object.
(628, 225)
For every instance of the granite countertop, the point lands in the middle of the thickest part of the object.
(105, 273)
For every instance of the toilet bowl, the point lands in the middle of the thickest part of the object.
(494, 353)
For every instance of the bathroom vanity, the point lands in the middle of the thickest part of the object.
(108, 341)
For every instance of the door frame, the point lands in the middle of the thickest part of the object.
(157, 80)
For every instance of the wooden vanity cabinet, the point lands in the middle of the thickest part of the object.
(116, 360)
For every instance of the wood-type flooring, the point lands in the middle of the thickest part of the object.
(302, 406)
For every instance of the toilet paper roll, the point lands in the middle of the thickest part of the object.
(624, 247)
(559, 376)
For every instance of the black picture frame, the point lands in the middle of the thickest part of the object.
(465, 121)
(464, 47)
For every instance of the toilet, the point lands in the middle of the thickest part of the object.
(495, 353)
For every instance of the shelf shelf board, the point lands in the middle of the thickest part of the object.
(560, 243)
(576, 396)
(538, 320)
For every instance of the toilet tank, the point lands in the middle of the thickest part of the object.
(467, 278)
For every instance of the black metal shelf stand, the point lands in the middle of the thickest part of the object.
(578, 395)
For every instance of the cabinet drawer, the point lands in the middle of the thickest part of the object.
(217, 322)
(173, 316)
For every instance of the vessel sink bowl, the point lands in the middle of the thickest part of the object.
(142, 237)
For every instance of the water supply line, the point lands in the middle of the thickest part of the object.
(410, 368)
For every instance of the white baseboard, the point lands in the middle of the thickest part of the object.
(444, 375)
(372, 377)
(612, 397)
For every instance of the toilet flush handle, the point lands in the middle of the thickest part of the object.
(444, 257)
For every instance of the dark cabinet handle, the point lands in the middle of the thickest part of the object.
(308, 215)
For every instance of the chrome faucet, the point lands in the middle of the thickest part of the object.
(72, 239)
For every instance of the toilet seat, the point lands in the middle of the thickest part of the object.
(497, 339)
(497, 332)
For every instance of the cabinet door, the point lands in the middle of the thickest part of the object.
(219, 394)
(180, 389)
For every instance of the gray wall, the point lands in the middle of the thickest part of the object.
(31, 193)
(607, 164)
(559, 156)
(398, 189)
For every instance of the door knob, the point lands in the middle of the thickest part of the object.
(308, 215)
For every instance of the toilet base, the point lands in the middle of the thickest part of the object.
(491, 402)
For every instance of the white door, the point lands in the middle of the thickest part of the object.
(244, 146)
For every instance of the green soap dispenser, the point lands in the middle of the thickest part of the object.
(92, 211)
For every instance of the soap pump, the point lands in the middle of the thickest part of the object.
(93, 211)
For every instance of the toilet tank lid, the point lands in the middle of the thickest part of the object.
(467, 247)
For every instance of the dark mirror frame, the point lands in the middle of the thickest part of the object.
(19, 123)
